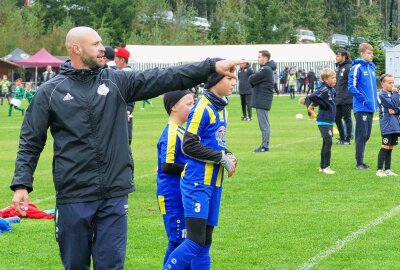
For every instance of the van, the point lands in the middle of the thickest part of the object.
(340, 40)
(305, 36)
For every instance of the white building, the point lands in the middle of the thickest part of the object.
(393, 63)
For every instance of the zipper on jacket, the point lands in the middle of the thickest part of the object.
(372, 87)
(98, 153)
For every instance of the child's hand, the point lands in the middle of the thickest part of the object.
(231, 171)
(232, 158)
(391, 111)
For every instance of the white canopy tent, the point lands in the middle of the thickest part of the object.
(307, 56)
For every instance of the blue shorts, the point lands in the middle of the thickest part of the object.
(175, 226)
(201, 201)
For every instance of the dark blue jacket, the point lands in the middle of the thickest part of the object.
(324, 97)
(243, 76)
(362, 84)
(263, 86)
(389, 123)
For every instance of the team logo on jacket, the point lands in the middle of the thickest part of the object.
(103, 90)
(220, 136)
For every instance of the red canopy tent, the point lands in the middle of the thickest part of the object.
(41, 59)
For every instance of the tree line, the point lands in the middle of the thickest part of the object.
(44, 23)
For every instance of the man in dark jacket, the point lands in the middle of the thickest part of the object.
(47, 75)
(263, 92)
(344, 99)
(85, 108)
(245, 90)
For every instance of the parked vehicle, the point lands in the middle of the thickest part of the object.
(202, 24)
(385, 44)
(340, 40)
(355, 41)
(305, 36)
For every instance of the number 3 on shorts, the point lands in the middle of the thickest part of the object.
(197, 207)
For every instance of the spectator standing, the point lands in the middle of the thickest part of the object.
(344, 99)
(303, 81)
(291, 83)
(276, 80)
(93, 165)
(121, 57)
(283, 79)
(245, 90)
(47, 75)
(362, 85)
(311, 78)
(263, 83)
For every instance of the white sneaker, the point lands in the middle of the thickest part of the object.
(142, 108)
(328, 170)
(390, 173)
(381, 173)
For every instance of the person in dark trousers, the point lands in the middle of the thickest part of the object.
(324, 99)
(362, 85)
(283, 79)
(344, 99)
(85, 108)
(263, 92)
(245, 91)
(389, 110)
(303, 81)
(312, 79)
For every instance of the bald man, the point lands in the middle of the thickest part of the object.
(85, 108)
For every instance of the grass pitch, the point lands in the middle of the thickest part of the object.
(278, 211)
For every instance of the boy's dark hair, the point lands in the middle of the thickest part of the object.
(343, 52)
(265, 53)
(383, 76)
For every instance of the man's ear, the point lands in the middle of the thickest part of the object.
(76, 49)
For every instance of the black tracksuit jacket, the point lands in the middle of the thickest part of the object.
(86, 113)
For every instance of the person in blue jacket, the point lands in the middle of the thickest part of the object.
(362, 84)
(389, 120)
(324, 97)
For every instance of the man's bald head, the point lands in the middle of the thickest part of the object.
(84, 47)
(77, 35)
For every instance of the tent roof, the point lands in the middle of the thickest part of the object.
(41, 59)
(16, 55)
(279, 52)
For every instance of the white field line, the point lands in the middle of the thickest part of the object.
(353, 236)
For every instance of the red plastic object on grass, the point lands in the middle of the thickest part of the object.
(32, 212)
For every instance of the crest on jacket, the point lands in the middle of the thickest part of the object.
(103, 90)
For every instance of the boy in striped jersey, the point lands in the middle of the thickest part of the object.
(201, 182)
(171, 162)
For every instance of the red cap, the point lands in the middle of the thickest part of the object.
(122, 52)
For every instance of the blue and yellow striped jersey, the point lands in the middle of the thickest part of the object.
(210, 125)
(169, 151)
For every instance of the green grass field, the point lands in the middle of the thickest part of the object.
(278, 211)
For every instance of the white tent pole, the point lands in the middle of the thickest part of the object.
(36, 77)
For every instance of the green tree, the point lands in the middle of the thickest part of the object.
(369, 25)
(229, 18)
(267, 21)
